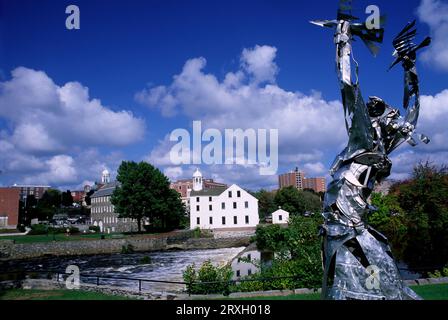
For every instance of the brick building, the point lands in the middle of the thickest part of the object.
(298, 180)
(30, 190)
(9, 208)
(316, 184)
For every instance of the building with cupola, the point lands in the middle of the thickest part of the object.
(185, 186)
(221, 208)
(102, 211)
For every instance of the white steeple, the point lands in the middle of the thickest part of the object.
(197, 180)
(105, 176)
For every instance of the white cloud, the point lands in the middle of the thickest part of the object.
(53, 131)
(46, 117)
(174, 173)
(259, 63)
(249, 98)
(311, 129)
(435, 14)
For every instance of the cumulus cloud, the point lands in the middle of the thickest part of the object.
(249, 98)
(259, 63)
(53, 131)
(49, 118)
(435, 14)
(311, 129)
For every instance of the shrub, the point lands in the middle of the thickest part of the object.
(73, 230)
(129, 248)
(94, 228)
(38, 229)
(208, 279)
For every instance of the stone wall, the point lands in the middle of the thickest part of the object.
(11, 251)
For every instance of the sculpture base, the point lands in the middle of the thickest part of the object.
(358, 265)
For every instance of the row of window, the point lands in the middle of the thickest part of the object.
(115, 220)
(223, 220)
(238, 194)
(238, 272)
(103, 209)
(101, 199)
(223, 206)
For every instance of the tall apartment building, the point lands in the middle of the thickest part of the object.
(291, 179)
(30, 190)
(316, 184)
(298, 180)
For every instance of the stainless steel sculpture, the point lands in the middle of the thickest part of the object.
(357, 260)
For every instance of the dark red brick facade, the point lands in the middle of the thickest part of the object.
(9, 207)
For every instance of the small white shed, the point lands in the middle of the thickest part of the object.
(280, 216)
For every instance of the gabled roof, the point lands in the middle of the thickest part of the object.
(106, 190)
(279, 211)
(211, 192)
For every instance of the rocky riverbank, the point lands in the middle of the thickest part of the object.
(13, 251)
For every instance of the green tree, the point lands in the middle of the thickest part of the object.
(297, 202)
(144, 191)
(49, 204)
(67, 199)
(425, 202)
(298, 254)
(390, 219)
(88, 196)
(266, 203)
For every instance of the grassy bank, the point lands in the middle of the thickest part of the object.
(21, 294)
(427, 292)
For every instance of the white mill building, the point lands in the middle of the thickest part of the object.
(222, 208)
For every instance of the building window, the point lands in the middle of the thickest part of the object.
(223, 221)
(210, 220)
(246, 204)
(280, 218)
(198, 220)
(249, 257)
(247, 219)
(210, 199)
(197, 199)
(210, 207)
(223, 205)
(235, 220)
(197, 208)
(238, 273)
(238, 194)
(249, 272)
(234, 205)
(230, 194)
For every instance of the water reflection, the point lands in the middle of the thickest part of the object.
(249, 262)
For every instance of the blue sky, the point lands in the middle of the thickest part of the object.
(125, 49)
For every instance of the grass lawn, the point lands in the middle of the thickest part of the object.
(58, 237)
(427, 292)
(21, 294)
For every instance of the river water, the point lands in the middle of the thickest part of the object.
(166, 265)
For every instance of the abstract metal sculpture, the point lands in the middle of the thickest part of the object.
(357, 260)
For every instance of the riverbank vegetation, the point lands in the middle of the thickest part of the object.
(414, 217)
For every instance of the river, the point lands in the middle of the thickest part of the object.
(165, 265)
